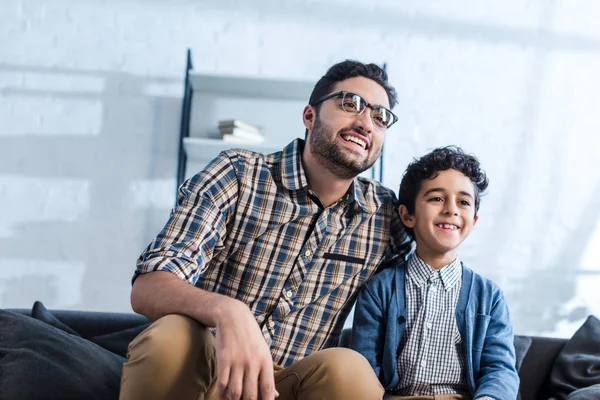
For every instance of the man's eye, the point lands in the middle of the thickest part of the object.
(435, 199)
(350, 104)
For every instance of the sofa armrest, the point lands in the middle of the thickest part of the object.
(537, 365)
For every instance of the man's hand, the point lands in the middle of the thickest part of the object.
(244, 360)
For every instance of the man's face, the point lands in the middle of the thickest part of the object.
(344, 144)
(444, 215)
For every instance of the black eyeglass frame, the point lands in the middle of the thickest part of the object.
(372, 107)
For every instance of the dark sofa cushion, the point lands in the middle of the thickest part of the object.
(116, 342)
(39, 361)
(578, 363)
(41, 313)
(588, 393)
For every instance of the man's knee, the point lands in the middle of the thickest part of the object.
(173, 336)
(173, 358)
(348, 372)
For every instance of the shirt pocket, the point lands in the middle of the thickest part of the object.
(479, 332)
(338, 268)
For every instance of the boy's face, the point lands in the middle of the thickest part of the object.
(444, 215)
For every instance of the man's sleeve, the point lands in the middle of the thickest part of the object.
(498, 377)
(197, 226)
(401, 244)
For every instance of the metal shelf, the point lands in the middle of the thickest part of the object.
(257, 87)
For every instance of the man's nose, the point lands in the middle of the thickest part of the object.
(365, 121)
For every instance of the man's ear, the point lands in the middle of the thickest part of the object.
(407, 218)
(308, 117)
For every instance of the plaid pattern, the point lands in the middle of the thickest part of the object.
(432, 360)
(249, 227)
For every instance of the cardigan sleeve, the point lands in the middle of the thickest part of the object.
(368, 329)
(497, 376)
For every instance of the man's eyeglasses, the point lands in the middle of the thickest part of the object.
(354, 105)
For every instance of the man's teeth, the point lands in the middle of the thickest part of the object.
(447, 226)
(356, 140)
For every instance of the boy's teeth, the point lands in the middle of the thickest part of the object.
(448, 226)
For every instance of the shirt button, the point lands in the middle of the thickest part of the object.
(434, 289)
(429, 325)
(307, 253)
(288, 294)
(423, 363)
(271, 324)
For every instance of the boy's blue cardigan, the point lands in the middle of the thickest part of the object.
(482, 318)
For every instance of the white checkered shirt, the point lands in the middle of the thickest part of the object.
(432, 360)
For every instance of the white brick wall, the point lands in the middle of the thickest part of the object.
(89, 114)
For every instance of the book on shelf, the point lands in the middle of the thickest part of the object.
(229, 124)
(232, 138)
(231, 129)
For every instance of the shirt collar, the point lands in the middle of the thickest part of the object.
(292, 171)
(420, 272)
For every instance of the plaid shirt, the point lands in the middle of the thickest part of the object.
(249, 227)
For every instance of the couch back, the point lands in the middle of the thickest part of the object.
(536, 367)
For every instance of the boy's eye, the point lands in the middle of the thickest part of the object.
(464, 203)
(435, 199)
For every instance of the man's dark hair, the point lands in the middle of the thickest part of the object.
(430, 165)
(350, 69)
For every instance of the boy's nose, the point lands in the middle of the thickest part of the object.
(450, 209)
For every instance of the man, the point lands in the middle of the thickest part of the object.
(268, 252)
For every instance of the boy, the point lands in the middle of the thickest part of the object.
(431, 327)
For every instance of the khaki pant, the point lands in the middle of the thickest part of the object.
(175, 359)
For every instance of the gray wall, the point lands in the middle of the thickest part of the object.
(90, 97)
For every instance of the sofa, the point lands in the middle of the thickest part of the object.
(101, 339)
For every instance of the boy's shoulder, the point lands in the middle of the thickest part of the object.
(385, 280)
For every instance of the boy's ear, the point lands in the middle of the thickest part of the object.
(475, 219)
(308, 117)
(407, 219)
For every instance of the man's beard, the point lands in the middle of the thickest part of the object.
(328, 154)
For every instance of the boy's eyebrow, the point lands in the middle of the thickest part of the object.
(439, 189)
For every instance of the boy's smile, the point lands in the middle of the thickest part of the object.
(443, 218)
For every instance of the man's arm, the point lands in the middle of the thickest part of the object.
(497, 373)
(243, 357)
(171, 265)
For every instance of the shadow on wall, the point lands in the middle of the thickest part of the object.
(87, 176)
(545, 293)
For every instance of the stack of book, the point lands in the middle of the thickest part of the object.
(234, 130)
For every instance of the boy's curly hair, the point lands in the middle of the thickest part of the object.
(431, 164)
